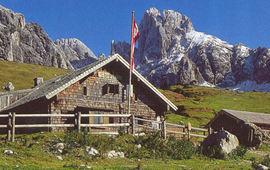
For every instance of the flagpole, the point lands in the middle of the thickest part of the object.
(130, 73)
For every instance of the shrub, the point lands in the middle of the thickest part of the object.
(152, 145)
(239, 152)
(265, 161)
(215, 152)
(180, 149)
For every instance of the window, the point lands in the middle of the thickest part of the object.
(84, 90)
(138, 122)
(98, 120)
(111, 88)
(113, 120)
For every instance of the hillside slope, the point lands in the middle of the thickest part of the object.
(22, 74)
(199, 105)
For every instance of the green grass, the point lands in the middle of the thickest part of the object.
(22, 75)
(199, 105)
(31, 155)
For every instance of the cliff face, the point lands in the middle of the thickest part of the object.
(76, 52)
(171, 51)
(28, 43)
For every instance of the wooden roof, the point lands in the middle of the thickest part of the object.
(252, 117)
(52, 87)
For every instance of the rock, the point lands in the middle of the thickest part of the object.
(171, 51)
(76, 52)
(9, 86)
(113, 154)
(85, 166)
(60, 146)
(59, 157)
(8, 152)
(101, 57)
(91, 151)
(224, 140)
(138, 146)
(262, 167)
(240, 91)
(28, 43)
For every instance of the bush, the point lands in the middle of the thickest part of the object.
(265, 161)
(215, 152)
(100, 142)
(152, 145)
(181, 149)
(239, 152)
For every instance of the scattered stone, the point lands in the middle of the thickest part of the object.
(8, 152)
(88, 167)
(139, 146)
(240, 91)
(71, 145)
(91, 151)
(59, 157)
(255, 90)
(262, 167)
(113, 154)
(1, 59)
(60, 146)
(9, 86)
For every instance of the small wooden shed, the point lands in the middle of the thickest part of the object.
(243, 124)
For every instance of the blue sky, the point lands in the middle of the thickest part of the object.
(97, 22)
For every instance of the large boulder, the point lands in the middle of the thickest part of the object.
(224, 141)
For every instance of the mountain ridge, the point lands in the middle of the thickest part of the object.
(170, 52)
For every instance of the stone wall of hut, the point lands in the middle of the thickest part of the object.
(104, 92)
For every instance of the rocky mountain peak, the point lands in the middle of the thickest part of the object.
(170, 51)
(76, 52)
(11, 19)
(28, 43)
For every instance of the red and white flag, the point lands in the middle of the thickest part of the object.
(135, 36)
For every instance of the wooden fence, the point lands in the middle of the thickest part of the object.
(131, 123)
(168, 129)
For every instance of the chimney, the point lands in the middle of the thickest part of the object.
(38, 81)
(112, 48)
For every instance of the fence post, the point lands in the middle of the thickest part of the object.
(184, 130)
(79, 121)
(13, 127)
(209, 130)
(164, 127)
(189, 129)
(128, 127)
(9, 125)
(75, 120)
(133, 124)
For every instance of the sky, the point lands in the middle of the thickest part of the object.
(97, 22)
